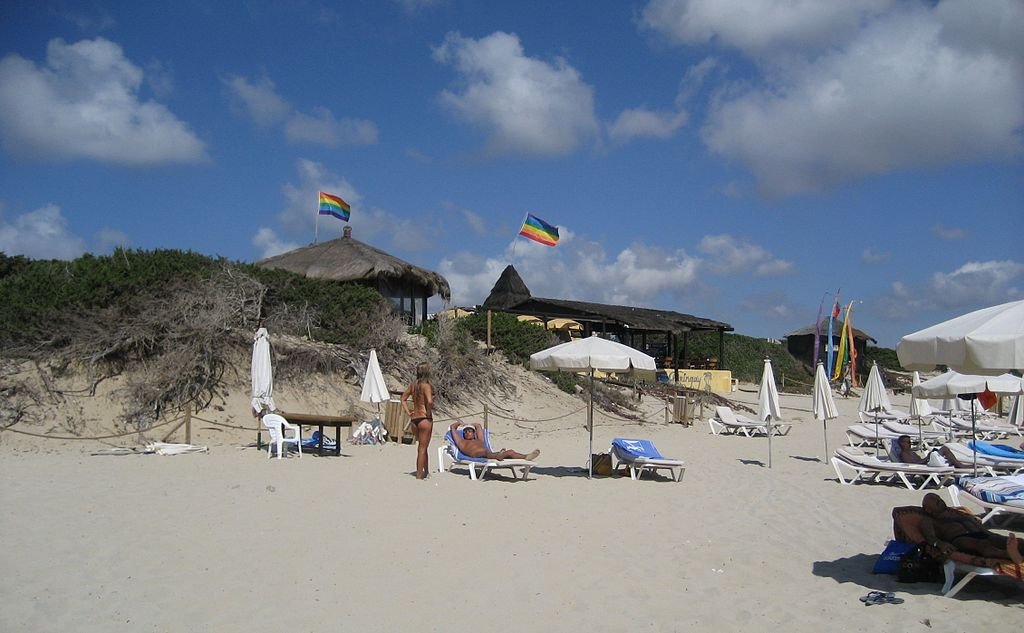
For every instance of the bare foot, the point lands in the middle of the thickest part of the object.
(532, 455)
(1013, 548)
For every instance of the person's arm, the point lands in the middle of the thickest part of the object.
(428, 399)
(405, 398)
(931, 537)
(911, 457)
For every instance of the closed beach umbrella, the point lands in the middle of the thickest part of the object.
(1016, 415)
(874, 398)
(589, 354)
(768, 409)
(823, 406)
(375, 389)
(919, 407)
(262, 373)
(988, 341)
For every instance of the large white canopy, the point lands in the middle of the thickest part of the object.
(954, 383)
(589, 353)
(988, 341)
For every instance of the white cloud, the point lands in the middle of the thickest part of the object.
(902, 93)
(259, 100)
(771, 305)
(525, 105)
(85, 103)
(971, 286)
(728, 256)
(40, 234)
(321, 127)
(270, 244)
(759, 27)
(299, 215)
(949, 233)
(869, 256)
(637, 123)
(108, 239)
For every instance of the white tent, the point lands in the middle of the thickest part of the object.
(823, 405)
(589, 354)
(768, 409)
(988, 341)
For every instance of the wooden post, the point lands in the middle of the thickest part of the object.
(188, 423)
(488, 331)
(485, 416)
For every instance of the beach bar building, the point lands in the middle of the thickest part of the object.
(660, 333)
(348, 260)
(800, 344)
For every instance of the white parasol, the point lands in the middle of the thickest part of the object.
(375, 389)
(1016, 415)
(262, 373)
(919, 407)
(589, 354)
(874, 399)
(823, 406)
(988, 341)
(768, 409)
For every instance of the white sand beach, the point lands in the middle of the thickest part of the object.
(232, 541)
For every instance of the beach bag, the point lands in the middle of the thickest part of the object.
(602, 464)
(918, 566)
(889, 560)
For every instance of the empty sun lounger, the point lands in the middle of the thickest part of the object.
(864, 467)
(478, 466)
(728, 422)
(995, 495)
(641, 455)
(990, 464)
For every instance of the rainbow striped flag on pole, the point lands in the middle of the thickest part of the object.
(334, 205)
(539, 231)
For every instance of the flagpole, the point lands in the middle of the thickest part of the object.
(316, 231)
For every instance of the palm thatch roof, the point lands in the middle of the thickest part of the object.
(837, 328)
(510, 294)
(348, 259)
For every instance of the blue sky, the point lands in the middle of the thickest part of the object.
(739, 161)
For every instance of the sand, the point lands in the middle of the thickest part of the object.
(232, 541)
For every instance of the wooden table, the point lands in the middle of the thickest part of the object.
(321, 421)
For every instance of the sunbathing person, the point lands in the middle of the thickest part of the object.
(470, 441)
(952, 530)
(940, 456)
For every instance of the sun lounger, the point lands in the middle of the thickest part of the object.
(641, 455)
(990, 464)
(995, 495)
(479, 466)
(864, 467)
(983, 430)
(905, 428)
(728, 422)
(860, 435)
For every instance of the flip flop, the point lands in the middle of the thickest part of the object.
(880, 597)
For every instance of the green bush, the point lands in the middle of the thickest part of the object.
(744, 356)
(518, 340)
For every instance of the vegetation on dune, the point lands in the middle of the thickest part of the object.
(744, 356)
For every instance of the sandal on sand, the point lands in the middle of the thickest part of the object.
(880, 597)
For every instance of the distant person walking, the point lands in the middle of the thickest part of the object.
(421, 415)
(845, 389)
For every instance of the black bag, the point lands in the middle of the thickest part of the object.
(919, 566)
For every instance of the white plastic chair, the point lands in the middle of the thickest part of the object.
(277, 426)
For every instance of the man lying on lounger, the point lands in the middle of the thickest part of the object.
(938, 457)
(951, 529)
(470, 440)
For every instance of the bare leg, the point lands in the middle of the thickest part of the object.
(506, 453)
(1013, 548)
(424, 428)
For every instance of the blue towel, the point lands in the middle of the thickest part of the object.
(1006, 490)
(637, 448)
(312, 440)
(996, 450)
(462, 457)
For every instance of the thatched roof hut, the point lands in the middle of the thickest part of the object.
(630, 324)
(348, 260)
(800, 343)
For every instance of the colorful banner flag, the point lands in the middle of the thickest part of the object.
(334, 205)
(539, 231)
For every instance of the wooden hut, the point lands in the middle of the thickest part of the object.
(348, 260)
(656, 332)
(800, 344)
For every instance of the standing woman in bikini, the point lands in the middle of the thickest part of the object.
(421, 414)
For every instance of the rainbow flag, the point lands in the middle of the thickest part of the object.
(334, 205)
(539, 231)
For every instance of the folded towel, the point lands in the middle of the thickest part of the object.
(637, 448)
